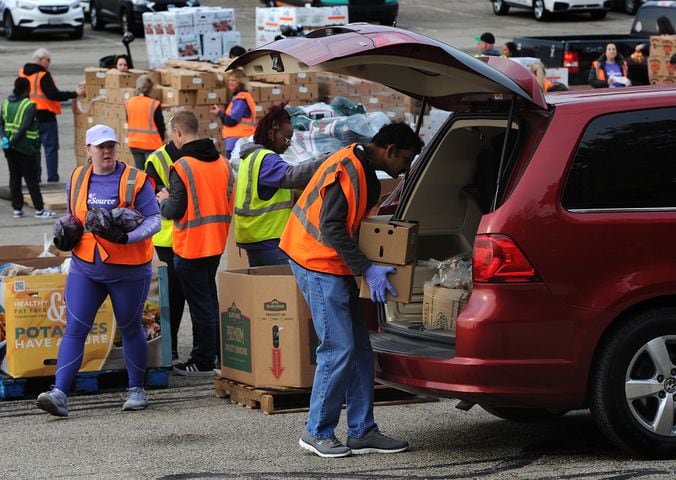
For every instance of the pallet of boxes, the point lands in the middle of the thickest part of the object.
(33, 321)
(183, 84)
(660, 69)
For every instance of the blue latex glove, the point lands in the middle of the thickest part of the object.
(5, 143)
(376, 277)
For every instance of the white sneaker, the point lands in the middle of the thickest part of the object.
(54, 402)
(136, 399)
(44, 213)
(17, 213)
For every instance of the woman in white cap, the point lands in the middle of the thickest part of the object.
(108, 259)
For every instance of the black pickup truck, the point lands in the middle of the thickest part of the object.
(577, 52)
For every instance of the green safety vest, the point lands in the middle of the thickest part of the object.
(162, 162)
(257, 220)
(13, 114)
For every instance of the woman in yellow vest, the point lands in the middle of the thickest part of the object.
(239, 117)
(158, 165)
(145, 123)
(107, 261)
(264, 190)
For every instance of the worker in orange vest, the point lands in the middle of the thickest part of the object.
(239, 117)
(145, 123)
(200, 201)
(609, 70)
(320, 240)
(47, 99)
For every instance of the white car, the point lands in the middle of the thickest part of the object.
(42, 16)
(543, 9)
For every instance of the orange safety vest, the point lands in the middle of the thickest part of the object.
(548, 85)
(601, 73)
(38, 96)
(131, 183)
(203, 229)
(143, 133)
(302, 239)
(247, 125)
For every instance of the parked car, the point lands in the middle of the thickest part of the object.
(129, 13)
(564, 203)
(577, 52)
(22, 17)
(544, 9)
(382, 11)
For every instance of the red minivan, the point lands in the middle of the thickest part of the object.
(567, 206)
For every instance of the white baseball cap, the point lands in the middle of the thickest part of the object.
(99, 134)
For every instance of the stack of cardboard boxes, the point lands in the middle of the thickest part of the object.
(660, 71)
(191, 33)
(393, 243)
(270, 22)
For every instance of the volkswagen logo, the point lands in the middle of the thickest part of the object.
(670, 385)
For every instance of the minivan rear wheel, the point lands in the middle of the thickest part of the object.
(524, 415)
(500, 8)
(539, 11)
(633, 384)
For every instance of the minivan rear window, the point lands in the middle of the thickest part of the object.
(625, 161)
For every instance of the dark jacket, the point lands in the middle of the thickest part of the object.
(175, 206)
(28, 119)
(51, 92)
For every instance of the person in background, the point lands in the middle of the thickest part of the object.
(47, 99)
(122, 63)
(106, 261)
(264, 195)
(486, 41)
(158, 165)
(236, 51)
(609, 70)
(320, 240)
(239, 117)
(199, 200)
(144, 121)
(664, 26)
(21, 144)
(509, 50)
(672, 65)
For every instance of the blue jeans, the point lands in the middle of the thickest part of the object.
(269, 256)
(49, 138)
(198, 280)
(345, 369)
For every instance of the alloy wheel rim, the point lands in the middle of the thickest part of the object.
(650, 386)
(539, 8)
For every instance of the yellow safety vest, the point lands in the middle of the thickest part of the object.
(162, 162)
(257, 220)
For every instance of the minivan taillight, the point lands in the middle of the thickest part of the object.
(571, 61)
(497, 259)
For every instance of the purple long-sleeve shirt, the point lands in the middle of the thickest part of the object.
(239, 110)
(104, 192)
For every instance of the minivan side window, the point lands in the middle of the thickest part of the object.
(625, 161)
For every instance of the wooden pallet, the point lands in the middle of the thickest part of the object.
(52, 200)
(85, 383)
(292, 400)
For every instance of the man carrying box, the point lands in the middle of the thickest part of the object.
(320, 240)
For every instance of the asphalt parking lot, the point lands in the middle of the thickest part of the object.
(189, 433)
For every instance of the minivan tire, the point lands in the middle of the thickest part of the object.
(637, 355)
(630, 6)
(11, 30)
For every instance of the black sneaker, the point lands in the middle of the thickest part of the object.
(190, 369)
(324, 447)
(376, 442)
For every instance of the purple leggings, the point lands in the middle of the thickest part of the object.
(84, 296)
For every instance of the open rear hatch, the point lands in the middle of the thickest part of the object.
(457, 173)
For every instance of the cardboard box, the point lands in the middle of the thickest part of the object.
(95, 76)
(116, 79)
(34, 319)
(174, 97)
(385, 240)
(658, 65)
(211, 97)
(266, 328)
(402, 282)
(662, 45)
(442, 306)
